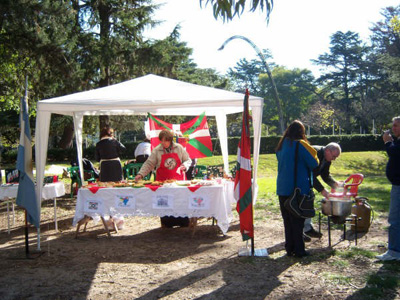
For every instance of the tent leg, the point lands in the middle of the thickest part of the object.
(38, 239)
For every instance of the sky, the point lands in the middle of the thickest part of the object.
(297, 32)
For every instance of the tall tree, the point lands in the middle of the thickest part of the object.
(342, 67)
(297, 92)
(246, 75)
(386, 42)
(114, 30)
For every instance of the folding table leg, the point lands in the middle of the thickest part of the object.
(84, 221)
(13, 211)
(55, 214)
(8, 216)
(105, 226)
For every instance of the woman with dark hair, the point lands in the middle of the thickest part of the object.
(171, 162)
(108, 150)
(307, 160)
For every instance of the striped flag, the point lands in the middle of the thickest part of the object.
(26, 196)
(243, 184)
(195, 134)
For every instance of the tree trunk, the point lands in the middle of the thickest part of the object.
(104, 121)
(66, 141)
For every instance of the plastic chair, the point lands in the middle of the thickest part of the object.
(76, 178)
(200, 171)
(350, 188)
(132, 169)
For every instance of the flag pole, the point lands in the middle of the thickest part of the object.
(243, 186)
(26, 196)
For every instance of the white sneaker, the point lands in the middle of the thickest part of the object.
(386, 257)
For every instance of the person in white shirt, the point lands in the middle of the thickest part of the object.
(143, 151)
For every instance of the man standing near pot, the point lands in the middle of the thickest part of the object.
(392, 145)
(325, 155)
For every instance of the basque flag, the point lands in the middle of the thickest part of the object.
(195, 134)
(26, 196)
(243, 182)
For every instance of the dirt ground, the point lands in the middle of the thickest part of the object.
(144, 261)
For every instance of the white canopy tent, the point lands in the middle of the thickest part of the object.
(148, 94)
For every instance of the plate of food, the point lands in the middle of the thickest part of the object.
(119, 185)
(138, 185)
(156, 183)
(183, 183)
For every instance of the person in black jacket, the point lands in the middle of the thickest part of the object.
(108, 150)
(392, 145)
(325, 155)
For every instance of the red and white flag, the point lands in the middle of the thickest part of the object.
(243, 182)
(193, 135)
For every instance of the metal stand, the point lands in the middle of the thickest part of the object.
(250, 251)
(352, 218)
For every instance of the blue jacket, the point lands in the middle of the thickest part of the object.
(307, 160)
(393, 165)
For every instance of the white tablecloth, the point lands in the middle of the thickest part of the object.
(50, 191)
(178, 201)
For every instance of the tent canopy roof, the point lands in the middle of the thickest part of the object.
(139, 96)
(150, 93)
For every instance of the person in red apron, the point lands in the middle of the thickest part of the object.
(170, 167)
(171, 162)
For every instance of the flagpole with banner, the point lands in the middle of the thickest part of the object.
(243, 185)
(26, 196)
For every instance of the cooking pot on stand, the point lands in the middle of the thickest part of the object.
(337, 208)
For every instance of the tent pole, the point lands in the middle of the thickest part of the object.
(252, 246)
(26, 235)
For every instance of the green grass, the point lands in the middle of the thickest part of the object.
(379, 285)
(355, 252)
(337, 278)
(340, 263)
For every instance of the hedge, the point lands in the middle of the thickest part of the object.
(349, 143)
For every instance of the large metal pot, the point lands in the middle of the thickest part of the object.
(336, 207)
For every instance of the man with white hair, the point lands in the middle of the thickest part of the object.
(325, 155)
(392, 145)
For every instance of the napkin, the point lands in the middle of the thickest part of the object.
(94, 189)
(152, 187)
(194, 188)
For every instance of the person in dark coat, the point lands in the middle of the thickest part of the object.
(392, 146)
(325, 155)
(108, 150)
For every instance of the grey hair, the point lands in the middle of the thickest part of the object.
(334, 146)
(395, 119)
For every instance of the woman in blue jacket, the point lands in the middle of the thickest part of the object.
(307, 160)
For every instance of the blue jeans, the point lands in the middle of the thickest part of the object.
(394, 222)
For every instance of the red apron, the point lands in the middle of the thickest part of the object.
(170, 162)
